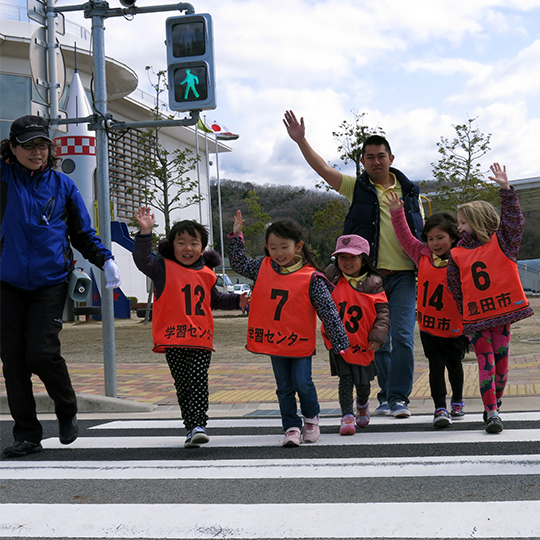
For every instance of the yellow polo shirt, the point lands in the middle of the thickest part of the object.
(391, 254)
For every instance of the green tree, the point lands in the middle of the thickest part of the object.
(256, 221)
(327, 227)
(458, 172)
(350, 137)
(167, 186)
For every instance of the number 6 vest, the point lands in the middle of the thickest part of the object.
(282, 319)
(181, 316)
(490, 282)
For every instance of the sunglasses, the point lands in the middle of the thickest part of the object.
(32, 146)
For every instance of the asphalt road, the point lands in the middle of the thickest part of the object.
(127, 478)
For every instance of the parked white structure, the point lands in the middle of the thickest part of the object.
(125, 102)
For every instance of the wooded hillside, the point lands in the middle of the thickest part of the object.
(320, 213)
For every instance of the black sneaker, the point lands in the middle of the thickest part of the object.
(494, 425)
(441, 418)
(69, 430)
(499, 403)
(21, 448)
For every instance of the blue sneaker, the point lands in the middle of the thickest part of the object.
(196, 437)
(382, 410)
(399, 410)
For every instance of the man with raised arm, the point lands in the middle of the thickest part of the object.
(370, 219)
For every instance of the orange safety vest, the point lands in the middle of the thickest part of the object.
(181, 315)
(358, 313)
(282, 319)
(436, 309)
(490, 282)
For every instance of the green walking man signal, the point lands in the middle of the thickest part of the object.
(190, 61)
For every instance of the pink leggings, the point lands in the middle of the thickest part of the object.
(491, 348)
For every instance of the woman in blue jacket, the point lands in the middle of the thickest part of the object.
(41, 215)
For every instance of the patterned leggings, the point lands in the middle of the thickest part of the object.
(189, 369)
(491, 348)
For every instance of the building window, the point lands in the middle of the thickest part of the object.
(16, 92)
(126, 190)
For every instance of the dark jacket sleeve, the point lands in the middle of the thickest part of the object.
(224, 301)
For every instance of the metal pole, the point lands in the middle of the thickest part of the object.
(103, 197)
(220, 213)
(51, 54)
(198, 171)
(210, 223)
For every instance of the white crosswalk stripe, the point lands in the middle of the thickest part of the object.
(390, 517)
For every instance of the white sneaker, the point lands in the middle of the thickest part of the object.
(292, 438)
(311, 431)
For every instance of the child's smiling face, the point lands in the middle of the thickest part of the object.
(187, 248)
(349, 264)
(283, 250)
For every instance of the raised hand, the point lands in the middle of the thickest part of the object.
(499, 176)
(393, 201)
(145, 219)
(295, 129)
(238, 223)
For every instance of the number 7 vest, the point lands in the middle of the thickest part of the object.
(282, 320)
(181, 316)
(490, 282)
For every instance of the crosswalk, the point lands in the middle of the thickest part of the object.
(396, 479)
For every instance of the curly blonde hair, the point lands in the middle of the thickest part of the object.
(482, 217)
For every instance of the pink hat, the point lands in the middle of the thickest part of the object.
(353, 244)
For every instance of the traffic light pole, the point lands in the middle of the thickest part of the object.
(98, 11)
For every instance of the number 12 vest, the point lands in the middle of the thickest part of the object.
(181, 315)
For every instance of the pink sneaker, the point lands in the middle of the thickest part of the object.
(311, 430)
(362, 414)
(292, 438)
(347, 425)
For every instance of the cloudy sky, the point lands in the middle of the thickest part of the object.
(415, 67)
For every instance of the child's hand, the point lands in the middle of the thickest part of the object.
(373, 345)
(145, 219)
(238, 223)
(500, 176)
(393, 201)
(244, 301)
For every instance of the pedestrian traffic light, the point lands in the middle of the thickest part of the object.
(190, 61)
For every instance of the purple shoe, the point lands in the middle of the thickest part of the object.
(362, 414)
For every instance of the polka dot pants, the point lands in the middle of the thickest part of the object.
(189, 369)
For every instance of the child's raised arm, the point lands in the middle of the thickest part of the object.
(238, 223)
(145, 219)
(500, 176)
(393, 201)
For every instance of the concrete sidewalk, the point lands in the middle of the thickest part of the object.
(240, 389)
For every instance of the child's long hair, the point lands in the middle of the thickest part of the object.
(482, 217)
(290, 230)
(446, 221)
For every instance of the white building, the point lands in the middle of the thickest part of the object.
(19, 97)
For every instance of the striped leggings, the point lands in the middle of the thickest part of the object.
(491, 348)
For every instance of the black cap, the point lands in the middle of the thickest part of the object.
(29, 127)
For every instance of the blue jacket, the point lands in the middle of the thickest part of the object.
(41, 214)
(364, 213)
